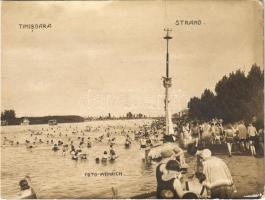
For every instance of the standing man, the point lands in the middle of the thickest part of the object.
(242, 134)
(229, 138)
(195, 132)
(252, 132)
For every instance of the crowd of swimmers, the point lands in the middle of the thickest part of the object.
(76, 140)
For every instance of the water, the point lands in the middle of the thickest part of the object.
(55, 176)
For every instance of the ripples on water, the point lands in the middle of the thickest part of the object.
(55, 176)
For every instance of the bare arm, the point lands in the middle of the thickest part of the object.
(178, 188)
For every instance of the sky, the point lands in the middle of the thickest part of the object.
(103, 57)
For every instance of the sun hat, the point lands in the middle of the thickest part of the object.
(206, 153)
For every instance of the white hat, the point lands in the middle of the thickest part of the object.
(206, 153)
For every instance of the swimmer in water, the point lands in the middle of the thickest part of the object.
(104, 157)
(65, 147)
(97, 160)
(83, 156)
(75, 156)
(26, 192)
(55, 148)
(112, 153)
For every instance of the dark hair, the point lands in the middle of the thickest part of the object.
(173, 165)
(24, 184)
(191, 149)
(168, 138)
(200, 176)
(190, 195)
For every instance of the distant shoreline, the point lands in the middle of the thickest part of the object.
(65, 119)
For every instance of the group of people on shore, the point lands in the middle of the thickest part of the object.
(212, 178)
(239, 136)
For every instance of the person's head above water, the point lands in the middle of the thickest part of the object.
(24, 184)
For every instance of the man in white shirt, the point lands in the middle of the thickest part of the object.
(218, 177)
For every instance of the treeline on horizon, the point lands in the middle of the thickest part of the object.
(8, 117)
(237, 97)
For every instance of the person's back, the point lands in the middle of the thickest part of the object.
(206, 130)
(213, 130)
(195, 130)
(242, 131)
(252, 132)
(216, 172)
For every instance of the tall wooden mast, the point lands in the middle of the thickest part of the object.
(167, 82)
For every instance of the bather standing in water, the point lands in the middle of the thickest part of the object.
(104, 157)
(112, 153)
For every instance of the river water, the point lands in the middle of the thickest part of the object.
(55, 176)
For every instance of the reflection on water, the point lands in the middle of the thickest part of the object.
(55, 176)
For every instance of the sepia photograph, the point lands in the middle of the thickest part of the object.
(132, 99)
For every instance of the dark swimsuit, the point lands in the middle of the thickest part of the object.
(164, 185)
